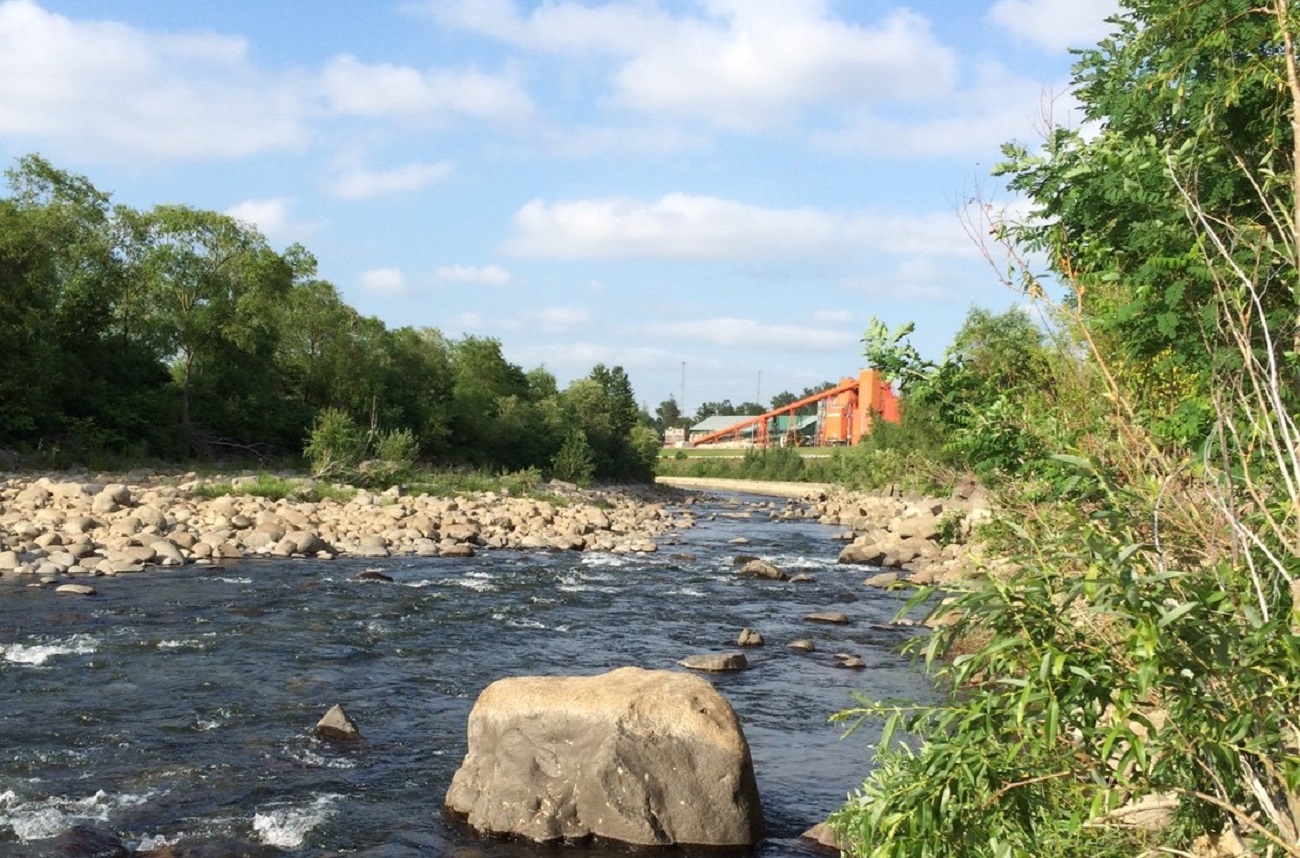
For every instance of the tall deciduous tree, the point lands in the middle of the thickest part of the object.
(216, 286)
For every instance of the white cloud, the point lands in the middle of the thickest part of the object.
(1055, 25)
(764, 62)
(103, 88)
(384, 281)
(363, 89)
(560, 319)
(270, 216)
(486, 275)
(359, 184)
(556, 27)
(737, 63)
(688, 227)
(729, 331)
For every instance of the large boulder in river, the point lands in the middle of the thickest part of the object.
(762, 569)
(649, 758)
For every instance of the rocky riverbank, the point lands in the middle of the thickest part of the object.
(914, 539)
(54, 527)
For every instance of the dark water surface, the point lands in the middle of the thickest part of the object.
(181, 703)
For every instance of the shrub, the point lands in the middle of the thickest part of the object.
(336, 445)
(575, 461)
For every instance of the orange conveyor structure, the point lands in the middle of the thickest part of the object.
(847, 414)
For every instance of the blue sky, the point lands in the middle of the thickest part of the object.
(733, 185)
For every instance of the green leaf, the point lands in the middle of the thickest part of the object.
(1174, 613)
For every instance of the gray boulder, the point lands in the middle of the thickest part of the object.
(336, 726)
(649, 758)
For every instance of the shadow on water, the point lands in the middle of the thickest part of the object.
(180, 703)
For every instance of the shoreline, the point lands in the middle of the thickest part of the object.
(766, 488)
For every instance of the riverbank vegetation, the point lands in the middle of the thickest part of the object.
(1137, 687)
(178, 334)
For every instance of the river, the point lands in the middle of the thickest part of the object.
(180, 703)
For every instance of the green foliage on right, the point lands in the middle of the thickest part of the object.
(1146, 641)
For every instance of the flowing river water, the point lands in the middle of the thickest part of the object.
(180, 703)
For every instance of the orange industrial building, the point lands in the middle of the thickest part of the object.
(845, 413)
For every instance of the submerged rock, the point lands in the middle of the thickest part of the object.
(832, 617)
(649, 758)
(823, 836)
(716, 662)
(83, 841)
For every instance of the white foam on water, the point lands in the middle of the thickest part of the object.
(181, 645)
(316, 760)
(227, 579)
(686, 591)
(288, 827)
(613, 561)
(149, 843)
(482, 582)
(43, 818)
(39, 654)
(419, 585)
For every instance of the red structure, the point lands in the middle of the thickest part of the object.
(845, 413)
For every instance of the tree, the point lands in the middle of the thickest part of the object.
(215, 287)
(668, 415)
(712, 409)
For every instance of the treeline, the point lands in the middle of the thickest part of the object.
(176, 333)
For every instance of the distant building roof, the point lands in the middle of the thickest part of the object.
(779, 424)
(718, 421)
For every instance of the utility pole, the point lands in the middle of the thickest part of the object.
(682, 404)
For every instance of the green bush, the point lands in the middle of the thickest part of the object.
(336, 445)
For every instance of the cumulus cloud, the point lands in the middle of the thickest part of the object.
(690, 227)
(728, 331)
(1055, 25)
(382, 89)
(270, 216)
(765, 62)
(486, 275)
(384, 281)
(111, 89)
(738, 63)
(359, 184)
